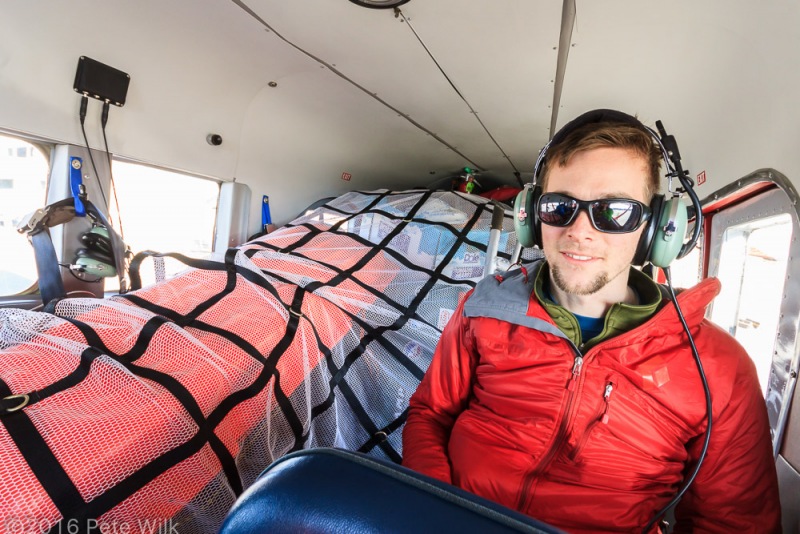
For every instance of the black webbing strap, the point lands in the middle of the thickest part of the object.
(380, 436)
(133, 483)
(189, 403)
(393, 350)
(20, 401)
(172, 385)
(136, 263)
(336, 380)
(378, 333)
(270, 363)
(295, 314)
(383, 434)
(332, 371)
(230, 285)
(40, 458)
(143, 339)
(314, 231)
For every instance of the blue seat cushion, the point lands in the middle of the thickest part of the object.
(336, 491)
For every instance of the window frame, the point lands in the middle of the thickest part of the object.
(231, 226)
(111, 192)
(28, 297)
(741, 202)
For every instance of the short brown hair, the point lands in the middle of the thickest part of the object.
(608, 135)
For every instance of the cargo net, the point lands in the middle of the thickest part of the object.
(155, 409)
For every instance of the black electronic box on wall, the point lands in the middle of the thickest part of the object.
(100, 81)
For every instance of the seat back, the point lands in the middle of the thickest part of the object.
(336, 491)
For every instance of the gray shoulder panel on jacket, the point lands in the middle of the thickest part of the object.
(508, 300)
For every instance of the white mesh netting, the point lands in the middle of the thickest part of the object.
(166, 402)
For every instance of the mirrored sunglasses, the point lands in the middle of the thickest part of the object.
(608, 215)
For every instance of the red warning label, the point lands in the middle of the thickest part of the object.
(701, 178)
(346, 176)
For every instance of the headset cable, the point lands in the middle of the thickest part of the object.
(103, 122)
(707, 392)
(84, 103)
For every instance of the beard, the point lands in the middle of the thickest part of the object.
(589, 288)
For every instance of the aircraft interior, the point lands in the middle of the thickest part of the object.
(232, 232)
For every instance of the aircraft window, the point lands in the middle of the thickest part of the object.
(164, 211)
(23, 181)
(752, 254)
(751, 249)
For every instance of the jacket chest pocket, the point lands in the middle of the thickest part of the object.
(631, 424)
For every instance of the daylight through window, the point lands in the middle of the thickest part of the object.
(164, 211)
(23, 184)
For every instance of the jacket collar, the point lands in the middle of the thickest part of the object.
(623, 317)
(620, 317)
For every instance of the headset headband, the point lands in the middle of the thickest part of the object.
(598, 116)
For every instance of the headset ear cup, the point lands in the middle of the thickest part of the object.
(97, 239)
(642, 254)
(525, 218)
(95, 255)
(670, 233)
(97, 258)
(95, 267)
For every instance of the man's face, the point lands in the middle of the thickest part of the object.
(585, 261)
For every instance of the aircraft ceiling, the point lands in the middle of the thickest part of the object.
(303, 91)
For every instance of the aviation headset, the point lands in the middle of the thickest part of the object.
(97, 256)
(662, 240)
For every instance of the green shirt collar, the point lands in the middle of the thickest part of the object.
(619, 318)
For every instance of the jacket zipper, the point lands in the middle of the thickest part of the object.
(577, 366)
(601, 417)
(576, 373)
(572, 383)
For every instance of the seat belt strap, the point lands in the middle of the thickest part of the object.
(266, 218)
(50, 284)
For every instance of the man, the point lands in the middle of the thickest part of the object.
(569, 390)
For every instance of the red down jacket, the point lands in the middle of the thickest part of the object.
(510, 410)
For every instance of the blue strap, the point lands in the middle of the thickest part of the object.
(50, 284)
(266, 218)
(76, 185)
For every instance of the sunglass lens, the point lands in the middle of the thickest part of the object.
(557, 210)
(616, 216)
